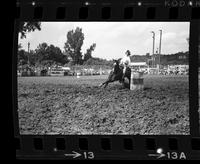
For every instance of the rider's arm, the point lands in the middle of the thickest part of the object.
(121, 61)
(129, 60)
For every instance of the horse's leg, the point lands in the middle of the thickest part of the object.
(102, 84)
(121, 80)
(129, 82)
(110, 79)
(105, 83)
(123, 83)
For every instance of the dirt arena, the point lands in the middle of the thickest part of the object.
(70, 105)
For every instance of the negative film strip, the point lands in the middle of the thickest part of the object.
(63, 58)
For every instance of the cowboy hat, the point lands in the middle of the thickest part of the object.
(128, 52)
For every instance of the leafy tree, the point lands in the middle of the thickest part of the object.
(40, 52)
(48, 55)
(147, 55)
(19, 46)
(73, 45)
(31, 56)
(48, 63)
(25, 27)
(69, 64)
(22, 57)
(55, 54)
(88, 53)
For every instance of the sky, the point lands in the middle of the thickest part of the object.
(114, 38)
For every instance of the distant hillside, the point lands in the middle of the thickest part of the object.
(178, 58)
(170, 59)
(139, 58)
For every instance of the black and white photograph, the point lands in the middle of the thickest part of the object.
(103, 78)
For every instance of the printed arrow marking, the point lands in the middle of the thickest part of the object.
(153, 155)
(74, 155)
(157, 155)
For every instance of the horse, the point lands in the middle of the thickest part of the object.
(117, 74)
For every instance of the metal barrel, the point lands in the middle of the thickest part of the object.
(137, 80)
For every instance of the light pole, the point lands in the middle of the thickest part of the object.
(160, 46)
(153, 47)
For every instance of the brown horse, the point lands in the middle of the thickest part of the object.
(116, 74)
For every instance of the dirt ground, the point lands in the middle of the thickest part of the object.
(70, 105)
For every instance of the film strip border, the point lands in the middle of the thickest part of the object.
(107, 147)
(108, 10)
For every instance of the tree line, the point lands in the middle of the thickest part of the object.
(47, 55)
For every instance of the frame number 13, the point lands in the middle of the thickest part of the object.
(88, 155)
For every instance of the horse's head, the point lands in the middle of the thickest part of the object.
(116, 65)
(116, 61)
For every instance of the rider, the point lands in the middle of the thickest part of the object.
(125, 61)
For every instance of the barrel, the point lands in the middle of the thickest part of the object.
(137, 80)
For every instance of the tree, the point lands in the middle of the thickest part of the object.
(48, 55)
(40, 52)
(55, 54)
(73, 45)
(147, 55)
(25, 27)
(22, 57)
(88, 53)
(19, 46)
(32, 58)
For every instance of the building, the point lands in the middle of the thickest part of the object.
(139, 66)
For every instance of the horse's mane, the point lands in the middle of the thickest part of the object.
(117, 68)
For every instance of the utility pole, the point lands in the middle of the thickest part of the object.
(156, 60)
(153, 47)
(160, 46)
(28, 53)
